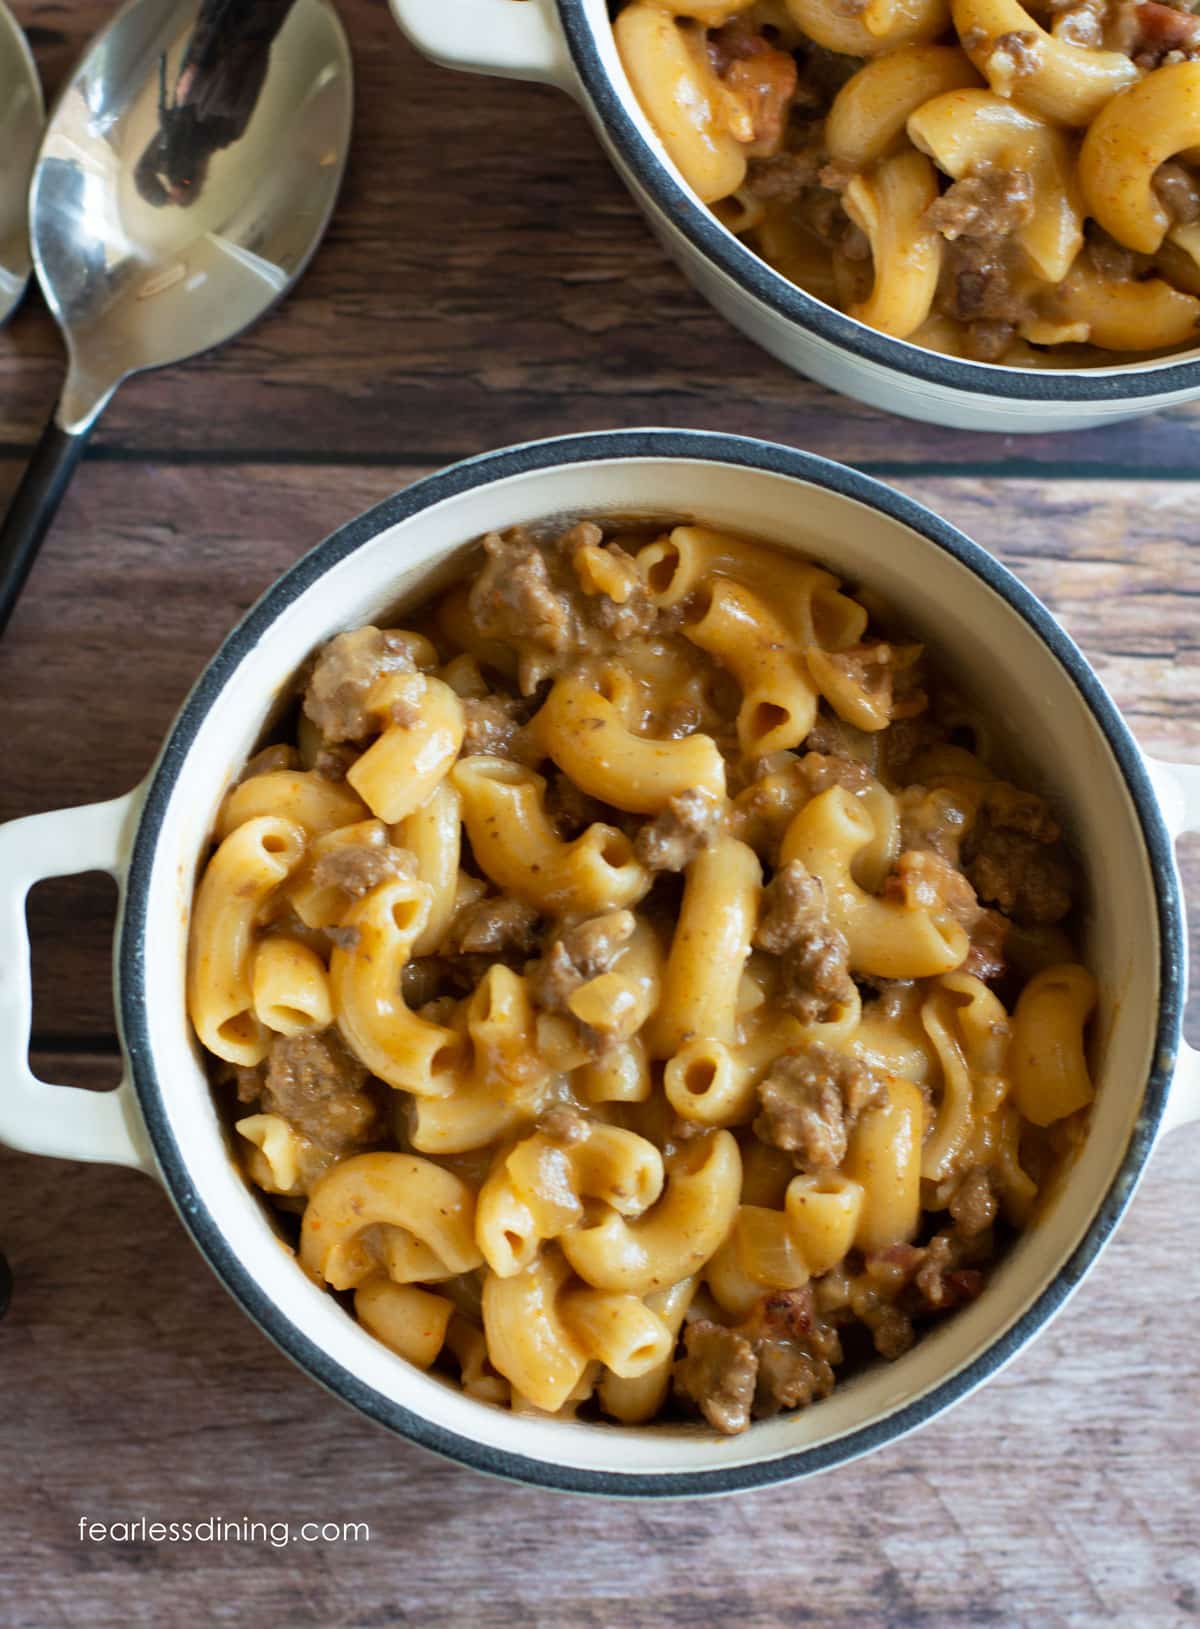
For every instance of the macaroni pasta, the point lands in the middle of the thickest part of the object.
(1003, 184)
(651, 995)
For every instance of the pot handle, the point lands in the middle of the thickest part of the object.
(512, 39)
(1178, 788)
(64, 1122)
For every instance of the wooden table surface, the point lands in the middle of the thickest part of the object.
(486, 279)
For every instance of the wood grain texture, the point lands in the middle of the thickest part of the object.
(1063, 1495)
(487, 267)
(487, 279)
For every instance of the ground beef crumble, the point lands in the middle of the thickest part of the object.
(1176, 190)
(1153, 34)
(356, 868)
(947, 1271)
(672, 839)
(976, 283)
(990, 201)
(1010, 808)
(514, 600)
(318, 1086)
(891, 1331)
(717, 1374)
(493, 724)
(973, 1207)
(577, 954)
(332, 763)
(811, 1098)
(988, 339)
(735, 41)
(1028, 878)
(498, 926)
(827, 736)
(553, 602)
(939, 1281)
(815, 957)
(906, 740)
(564, 1124)
(246, 1080)
(796, 1351)
(763, 78)
(342, 677)
(1109, 259)
(781, 1356)
(825, 769)
(784, 177)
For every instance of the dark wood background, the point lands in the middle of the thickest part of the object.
(486, 279)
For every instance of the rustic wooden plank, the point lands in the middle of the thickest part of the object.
(1062, 1494)
(131, 598)
(487, 279)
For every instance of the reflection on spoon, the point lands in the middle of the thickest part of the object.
(21, 118)
(188, 174)
(216, 90)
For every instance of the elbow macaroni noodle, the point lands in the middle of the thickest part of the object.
(579, 1024)
(956, 174)
(887, 938)
(890, 206)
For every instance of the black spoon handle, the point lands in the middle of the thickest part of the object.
(34, 506)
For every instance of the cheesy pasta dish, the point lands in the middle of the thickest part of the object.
(636, 981)
(1003, 184)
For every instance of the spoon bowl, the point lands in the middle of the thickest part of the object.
(187, 175)
(22, 114)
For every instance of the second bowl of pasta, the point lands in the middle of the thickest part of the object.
(672, 940)
(967, 211)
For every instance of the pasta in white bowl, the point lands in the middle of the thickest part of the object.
(977, 213)
(930, 169)
(601, 1213)
(695, 952)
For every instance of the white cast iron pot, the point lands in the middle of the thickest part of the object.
(569, 43)
(994, 636)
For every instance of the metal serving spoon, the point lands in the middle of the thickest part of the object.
(22, 115)
(188, 173)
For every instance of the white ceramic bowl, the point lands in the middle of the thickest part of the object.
(569, 43)
(995, 637)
